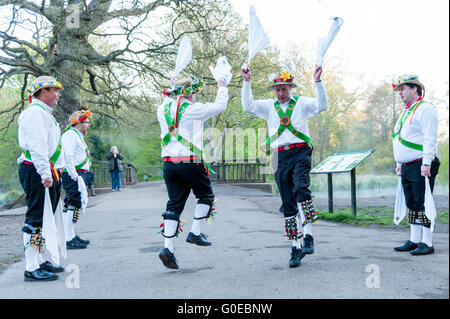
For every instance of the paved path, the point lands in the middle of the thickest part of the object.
(248, 259)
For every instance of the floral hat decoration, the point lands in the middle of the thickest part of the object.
(185, 87)
(407, 78)
(281, 78)
(42, 82)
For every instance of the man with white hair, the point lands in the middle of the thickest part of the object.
(39, 164)
(181, 119)
(286, 118)
(415, 147)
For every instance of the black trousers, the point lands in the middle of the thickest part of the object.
(73, 196)
(31, 183)
(414, 184)
(180, 179)
(292, 178)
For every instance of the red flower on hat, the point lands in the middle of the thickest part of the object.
(165, 93)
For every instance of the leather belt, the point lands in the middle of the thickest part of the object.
(28, 163)
(412, 162)
(288, 147)
(181, 159)
(82, 171)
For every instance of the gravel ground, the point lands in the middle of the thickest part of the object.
(11, 245)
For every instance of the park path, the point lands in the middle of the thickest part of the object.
(248, 258)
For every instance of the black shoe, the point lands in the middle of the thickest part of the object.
(168, 259)
(74, 244)
(39, 275)
(47, 266)
(308, 244)
(423, 249)
(408, 246)
(296, 257)
(85, 242)
(199, 240)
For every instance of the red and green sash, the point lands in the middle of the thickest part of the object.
(173, 131)
(398, 127)
(285, 123)
(86, 148)
(54, 158)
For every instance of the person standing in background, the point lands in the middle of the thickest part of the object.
(115, 168)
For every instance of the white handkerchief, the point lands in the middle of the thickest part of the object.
(222, 71)
(257, 38)
(61, 230)
(430, 208)
(324, 43)
(84, 195)
(184, 56)
(400, 203)
(49, 229)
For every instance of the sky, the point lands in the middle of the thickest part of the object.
(380, 39)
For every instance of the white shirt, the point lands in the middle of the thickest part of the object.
(39, 134)
(306, 107)
(191, 125)
(74, 151)
(420, 128)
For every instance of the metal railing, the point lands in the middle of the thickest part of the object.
(102, 177)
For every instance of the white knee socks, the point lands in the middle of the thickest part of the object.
(415, 233)
(427, 236)
(31, 254)
(170, 230)
(201, 210)
(70, 226)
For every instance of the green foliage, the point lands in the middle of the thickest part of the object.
(442, 177)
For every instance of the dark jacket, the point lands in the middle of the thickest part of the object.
(110, 158)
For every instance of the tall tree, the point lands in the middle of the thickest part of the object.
(56, 38)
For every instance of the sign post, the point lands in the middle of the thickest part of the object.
(341, 163)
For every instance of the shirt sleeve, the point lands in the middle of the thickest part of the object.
(205, 111)
(258, 108)
(319, 104)
(430, 123)
(37, 139)
(69, 147)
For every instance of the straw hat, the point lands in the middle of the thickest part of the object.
(42, 82)
(407, 78)
(281, 78)
(79, 116)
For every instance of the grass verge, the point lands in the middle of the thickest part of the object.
(372, 216)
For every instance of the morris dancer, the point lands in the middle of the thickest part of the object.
(415, 146)
(181, 119)
(289, 137)
(78, 162)
(39, 137)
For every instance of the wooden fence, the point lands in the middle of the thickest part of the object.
(102, 177)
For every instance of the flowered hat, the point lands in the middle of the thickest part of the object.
(80, 116)
(281, 78)
(185, 87)
(43, 82)
(407, 78)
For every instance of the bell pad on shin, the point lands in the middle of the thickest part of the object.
(309, 211)
(291, 228)
(418, 218)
